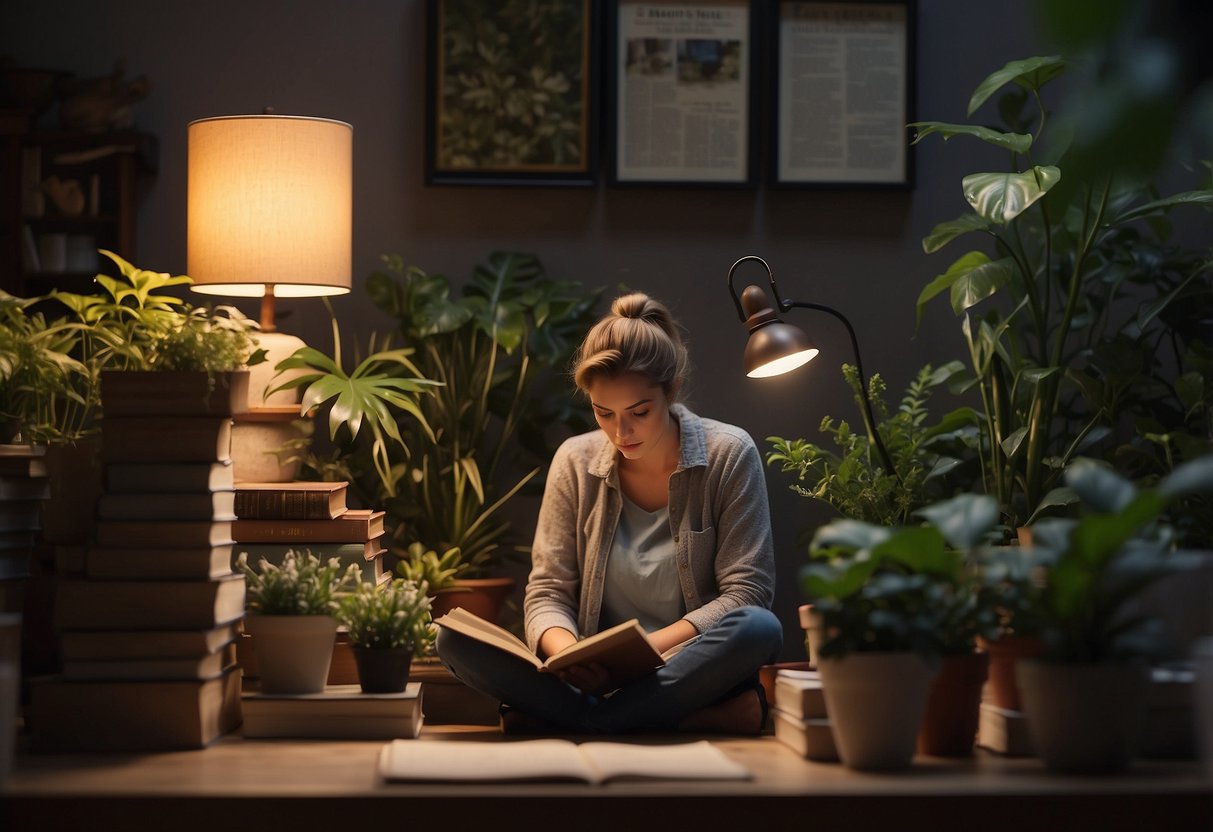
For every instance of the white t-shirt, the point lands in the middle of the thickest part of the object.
(641, 572)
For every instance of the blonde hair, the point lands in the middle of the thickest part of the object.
(638, 336)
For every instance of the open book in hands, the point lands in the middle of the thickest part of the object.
(624, 650)
(554, 759)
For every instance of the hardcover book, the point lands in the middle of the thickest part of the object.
(166, 439)
(24, 488)
(199, 563)
(340, 712)
(812, 739)
(148, 605)
(159, 534)
(145, 644)
(624, 649)
(212, 505)
(353, 526)
(290, 500)
(176, 393)
(133, 715)
(195, 667)
(799, 692)
(168, 477)
(554, 759)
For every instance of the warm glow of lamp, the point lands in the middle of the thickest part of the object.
(270, 208)
(774, 348)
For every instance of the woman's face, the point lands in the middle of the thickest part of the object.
(634, 413)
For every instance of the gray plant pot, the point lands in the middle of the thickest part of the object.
(293, 651)
(1084, 718)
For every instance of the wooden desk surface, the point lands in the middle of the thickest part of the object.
(311, 784)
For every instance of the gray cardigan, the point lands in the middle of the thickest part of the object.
(719, 516)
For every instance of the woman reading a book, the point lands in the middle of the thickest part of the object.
(659, 516)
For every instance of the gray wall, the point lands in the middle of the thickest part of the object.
(363, 62)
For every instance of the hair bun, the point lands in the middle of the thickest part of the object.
(635, 305)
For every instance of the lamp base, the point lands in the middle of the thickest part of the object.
(278, 346)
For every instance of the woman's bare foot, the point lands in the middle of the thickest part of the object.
(740, 715)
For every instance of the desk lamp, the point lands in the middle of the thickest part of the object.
(270, 215)
(775, 348)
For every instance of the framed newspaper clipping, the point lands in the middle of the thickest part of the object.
(681, 84)
(512, 92)
(843, 86)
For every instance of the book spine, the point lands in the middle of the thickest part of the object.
(300, 531)
(283, 505)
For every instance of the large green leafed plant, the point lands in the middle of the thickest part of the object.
(1069, 313)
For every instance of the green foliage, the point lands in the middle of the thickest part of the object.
(1097, 564)
(512, 83)
(301, 585)
(1076, 307)
(53, 348)
(916, 588)
(398, 615)
(426, 567)
(853, 481)
(444, 477)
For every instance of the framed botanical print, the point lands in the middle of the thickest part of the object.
(512, 92)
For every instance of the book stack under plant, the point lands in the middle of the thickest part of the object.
(23, 487)
(148, 631)
(799, 715)
(273, 518)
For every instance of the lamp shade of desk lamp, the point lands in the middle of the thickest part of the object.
(270, 214)
(774, 347)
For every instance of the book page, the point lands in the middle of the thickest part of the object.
(453, 761)
(473, 626)
(685, 761)
(624, 649)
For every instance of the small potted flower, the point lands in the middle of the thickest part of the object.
(387, 628)
(290, 617)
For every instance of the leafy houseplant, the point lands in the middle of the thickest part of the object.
(291, 609)
(445, 468)
(387, 627)
(852, 481)
(1085, 697)
(1086, 277)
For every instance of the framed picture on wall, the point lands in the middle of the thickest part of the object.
(843, 92)
(681, 84)
(512, 92)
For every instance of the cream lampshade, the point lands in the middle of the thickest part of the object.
(270, 214)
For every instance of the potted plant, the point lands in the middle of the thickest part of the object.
(483, 597)
(1085, 696)
(387, 626)
(290, 617)
(446, 463)
(877, 591)
(1065, 314)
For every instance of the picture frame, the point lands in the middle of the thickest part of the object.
(512, 96)
(843, 90)
(681, 81)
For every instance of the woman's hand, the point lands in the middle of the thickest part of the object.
(592, 678)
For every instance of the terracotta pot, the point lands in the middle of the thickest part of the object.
(949, 725)
(1084, 718)
(1000, 689)
(875, 702)
(480, 596)
(383, 670)
(293, 651)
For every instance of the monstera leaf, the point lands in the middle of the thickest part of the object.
(1001, 197)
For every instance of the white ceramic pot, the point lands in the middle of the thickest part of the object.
(876, 702)
(1084, 717)
(293, 651)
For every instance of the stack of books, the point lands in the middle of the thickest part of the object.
(340, 712)
(273, 518)
(148, 631)
(23, 487)
(799, 714)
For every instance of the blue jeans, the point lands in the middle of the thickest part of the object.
(721, 664)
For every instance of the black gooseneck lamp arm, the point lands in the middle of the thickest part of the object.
(784, 305)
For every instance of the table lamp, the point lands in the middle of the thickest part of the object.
(270, 214)
(775, 348)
